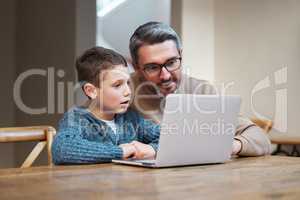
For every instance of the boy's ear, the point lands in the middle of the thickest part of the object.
(90, 90)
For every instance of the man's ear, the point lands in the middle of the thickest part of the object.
(90, 90)
(135, 67)
(180, 52)
(134, 64)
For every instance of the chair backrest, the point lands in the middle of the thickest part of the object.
(266, 125)
(42, 134)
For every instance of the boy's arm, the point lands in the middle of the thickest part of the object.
(69, 145)
(148, 137)
(150, 132)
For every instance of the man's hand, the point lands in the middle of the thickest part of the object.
(128, 150)
(143, 151)
(236, 147)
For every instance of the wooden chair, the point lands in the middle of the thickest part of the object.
(266, 125)
(279, 139)
(42, 134)
(285, 139)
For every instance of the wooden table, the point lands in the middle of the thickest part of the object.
(270, 177)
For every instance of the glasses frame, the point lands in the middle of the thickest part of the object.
(164, 66)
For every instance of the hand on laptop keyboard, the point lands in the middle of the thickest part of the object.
(137, 150)
(143, 151)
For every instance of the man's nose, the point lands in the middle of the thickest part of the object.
(164, 74)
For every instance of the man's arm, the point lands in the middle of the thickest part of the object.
(253, 140)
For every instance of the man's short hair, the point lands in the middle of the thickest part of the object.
(151, 33)
(94, 60)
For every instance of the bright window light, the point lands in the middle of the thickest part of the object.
(106, 6)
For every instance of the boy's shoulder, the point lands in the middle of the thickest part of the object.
(130, 114)
(76, 111)
(75, 114)
(133, 116)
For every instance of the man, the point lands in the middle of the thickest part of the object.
(156, 52)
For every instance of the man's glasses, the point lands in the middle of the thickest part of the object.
(155, 69)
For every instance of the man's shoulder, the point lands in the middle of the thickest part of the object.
(194, 80)
(192, 85)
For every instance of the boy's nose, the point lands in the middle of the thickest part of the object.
(127, 91)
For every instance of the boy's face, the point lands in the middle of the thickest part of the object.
(114, 93)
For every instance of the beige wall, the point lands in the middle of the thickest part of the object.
(197, 32)
(254, 39)
(176, 16)
(246, 42)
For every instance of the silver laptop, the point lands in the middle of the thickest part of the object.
(196, 129)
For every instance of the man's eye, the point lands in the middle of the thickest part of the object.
(171, 62)
(152, 68)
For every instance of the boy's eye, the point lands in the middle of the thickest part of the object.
(117, 85)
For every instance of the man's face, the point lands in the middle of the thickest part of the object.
(158, 54)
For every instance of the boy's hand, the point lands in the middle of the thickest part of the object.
(236, 147)
(143, 151)
(128, 150)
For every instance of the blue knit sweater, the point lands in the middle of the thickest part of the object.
(82, 138)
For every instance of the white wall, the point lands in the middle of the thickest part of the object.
(115, 29)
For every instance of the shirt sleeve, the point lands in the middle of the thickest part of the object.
(254, 140)
(71, 147)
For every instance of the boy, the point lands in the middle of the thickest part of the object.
(103, 129)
